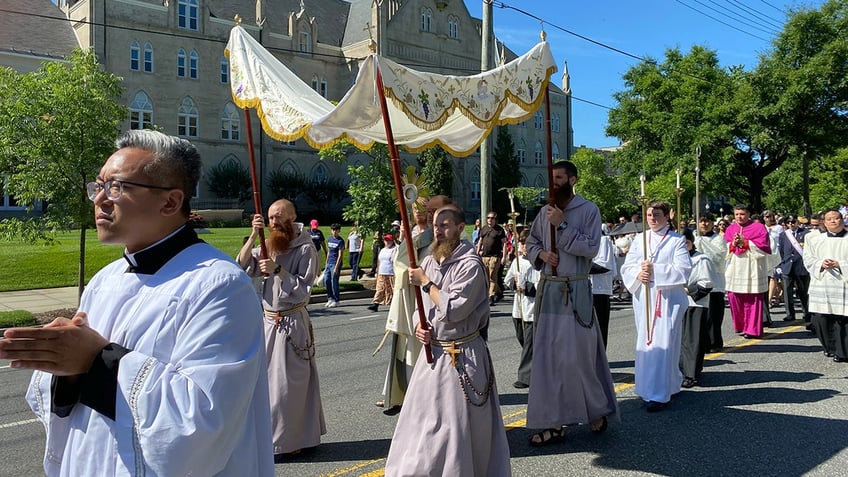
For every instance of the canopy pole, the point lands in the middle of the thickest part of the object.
(550, 152)
(257, 202)
(407, 234)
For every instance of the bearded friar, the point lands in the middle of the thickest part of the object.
(297, 417)
(456, 394)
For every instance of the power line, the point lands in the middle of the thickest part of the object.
(758, 14)
(723, 23)
(617, 50)
(582, 37)
(740, 18)
(776, 8)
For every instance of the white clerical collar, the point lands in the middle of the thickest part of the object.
(130, 257)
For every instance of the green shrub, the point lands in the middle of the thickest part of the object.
(9, 319)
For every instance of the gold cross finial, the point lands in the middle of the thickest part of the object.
(237, 19)
(452, 350)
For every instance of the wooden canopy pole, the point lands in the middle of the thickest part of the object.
(550, 153)
(257, 202)
(407, 234)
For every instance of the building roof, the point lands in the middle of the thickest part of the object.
(330, 15)
(27, 27)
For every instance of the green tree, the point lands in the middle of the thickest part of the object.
(748, 124)
(666, 111)
(599, 184)
(230, 180)
(831, 186)
(371, 187)
(505, 171)
(437, 170)
(58, 125)
(529, 199)
(798, 96)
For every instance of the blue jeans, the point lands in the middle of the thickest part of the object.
(331, 282)
(354, 265)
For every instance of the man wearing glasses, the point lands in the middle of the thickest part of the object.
(492, 247)
(162, 369)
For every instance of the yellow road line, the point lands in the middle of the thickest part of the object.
(622, 386)
(352, 468)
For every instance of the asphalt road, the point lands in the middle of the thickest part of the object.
(773, 407)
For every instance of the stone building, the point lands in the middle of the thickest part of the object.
(171, 56)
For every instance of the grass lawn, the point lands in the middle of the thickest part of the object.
(25, 266)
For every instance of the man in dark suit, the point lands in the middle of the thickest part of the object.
(796, 278)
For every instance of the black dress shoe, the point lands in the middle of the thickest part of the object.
(828, 354)
(373, 307)
(520, 385)
(688, 382)
(789, 318)
(492, 300)
(654, 406)
(837, 359)
(394, 410)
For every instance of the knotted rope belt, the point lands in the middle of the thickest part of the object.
(566, 297)
(481, 397)
(306, 352)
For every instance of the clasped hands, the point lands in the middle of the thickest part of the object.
(64, 347)
(830, 264)
(646, 271)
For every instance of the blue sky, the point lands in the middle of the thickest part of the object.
(643, 28)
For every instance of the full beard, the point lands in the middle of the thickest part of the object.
(562, 195)
(442, 249)
(281, 237)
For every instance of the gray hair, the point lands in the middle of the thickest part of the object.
(174, 158)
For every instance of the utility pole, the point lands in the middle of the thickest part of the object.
(485, 156)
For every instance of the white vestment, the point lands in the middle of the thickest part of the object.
(657, 372)
(520, 272)
(192, 394)
(715, 248)
(828, 288)
(602, 282)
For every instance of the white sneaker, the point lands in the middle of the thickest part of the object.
(329, 303)
(332, 304)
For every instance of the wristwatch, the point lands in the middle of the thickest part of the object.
(562, 226)
(277, 270)
(427, 287)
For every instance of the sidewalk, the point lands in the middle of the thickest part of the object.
(48, 299)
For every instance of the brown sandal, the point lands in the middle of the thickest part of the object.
(548, 436)
(599, 428)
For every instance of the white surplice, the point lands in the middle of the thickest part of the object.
(657, 372)
(520, 272)
(192, 394)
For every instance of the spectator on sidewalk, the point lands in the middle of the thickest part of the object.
(376, 245)
(386, 274)
(333, 269)
(354, 245)
(317, 237)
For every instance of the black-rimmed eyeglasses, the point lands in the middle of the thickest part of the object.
(114, 189)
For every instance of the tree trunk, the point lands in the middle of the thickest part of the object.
(81, 275)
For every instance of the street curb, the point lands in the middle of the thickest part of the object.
(348, 295)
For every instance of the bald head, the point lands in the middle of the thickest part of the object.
(280, 211)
